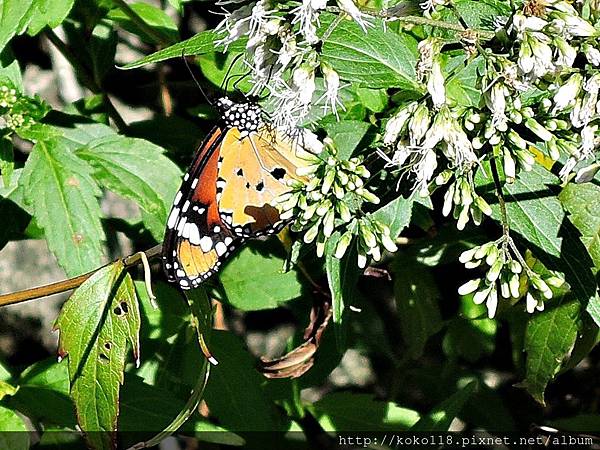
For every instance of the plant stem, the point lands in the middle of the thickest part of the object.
(500, 196)
(86, 77)
(157, 36)
(71, 283)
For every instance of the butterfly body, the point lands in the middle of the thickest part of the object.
(229, 193)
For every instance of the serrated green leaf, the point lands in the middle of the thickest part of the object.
(135, 169)
(13, 431)
(154, 18)
(377, 59)
(62, 193)
(199, 44)
(342, 277)
(234, 394)
(95, 326)
(361, 412)
(417, 297)
(347, 134)
(549, 339)
(49, 13)
(441, 416)
(253, 279)
(13, 18)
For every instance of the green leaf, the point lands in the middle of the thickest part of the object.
(361, 412)
(417, 297)
(94, 326)
(376, 100)
(216, 66)
(342, 277)
(199, 44)
(14, 15)
(481, 14)
(463, 88)
(396, 214)
(234, 394)
(9, 68)
(209, 432)
(7, 161)
(102, 47)
(59, 187)
(582, 201)
(440, 417)
(470, 336)
(137, 170)
(580, 423)
(154, 18)
(375, 59)
(347, 134)
(44, 393)
(549, 339)
(49, 13)
(13, 431)
(536, 214)
(254, 279)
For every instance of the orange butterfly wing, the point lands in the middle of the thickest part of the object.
(196, 240)
(254, 171)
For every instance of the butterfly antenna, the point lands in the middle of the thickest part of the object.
(225, 81)
(195, 79)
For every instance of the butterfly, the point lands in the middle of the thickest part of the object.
(229, 193)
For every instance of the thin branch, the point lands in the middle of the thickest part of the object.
(71, 283)
(86, 77)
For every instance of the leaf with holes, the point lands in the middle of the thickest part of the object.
(138, 170)
(62, 193)
(376, 59)
(95, 325)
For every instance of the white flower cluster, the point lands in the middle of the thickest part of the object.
(281, 53)
(505, 278)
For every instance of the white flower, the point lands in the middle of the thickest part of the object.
(535, 55)
(428, 6)
(576, 26)
(566, 95)
(395, 125)
(495, 99)
(235, 24)
(292, 103)
(332, 83)
(492, 303)
(591, 53)
(585, 109)
(566, 53)
(424, 170)
(538, 129)
(532, 304)
(419, 124)
(307, 14)
(349, 7)
(435, 85)
(428, 49)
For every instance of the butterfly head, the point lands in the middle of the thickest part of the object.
(246, 117)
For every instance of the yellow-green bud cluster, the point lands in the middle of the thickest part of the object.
(505, 278)
(8, 97)
(372, 236)
(462, 200)
(330, 200)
